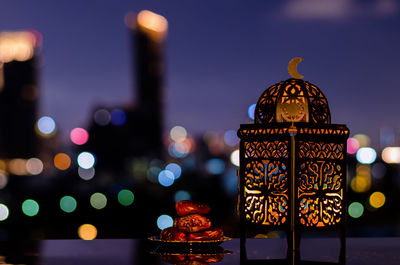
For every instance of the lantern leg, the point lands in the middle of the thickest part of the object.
(342, 255)
(243, 251)
(293, 249)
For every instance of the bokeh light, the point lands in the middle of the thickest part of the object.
(178, 149)
(62, 161)
(34, 166)
(235, 157)
(366, 155)
(87, 232)
(102, 117)
(98, 200)
(17, 166)
(164, 221)
(30, 207)
(126, 197)
(182, 195)
(178, 134)
(152, 174)
(215, 166)
(3, 179)
(391, 155)
(352, 145)
(362, 181)
(251, 110)
(86, 160)
(231, 138)
(378, 170)
(3, 212)
(68, 204)
(118, 117)
(356, 209)
(362, 139)
(377, 199)
(175, 169)
(79, 136)
(46, 126)
(166, 178)
(86, 174)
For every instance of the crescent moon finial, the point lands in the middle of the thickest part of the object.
(292, 67)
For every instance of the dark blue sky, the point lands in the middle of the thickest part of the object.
(221, 55)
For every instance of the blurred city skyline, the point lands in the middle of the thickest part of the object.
(220, 58)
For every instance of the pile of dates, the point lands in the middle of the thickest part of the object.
(192, 224)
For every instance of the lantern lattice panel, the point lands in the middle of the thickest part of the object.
(266, 184)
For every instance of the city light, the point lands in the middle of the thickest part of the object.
(34, 166)
(152, 174)
(125, 197)
(153, 23)
(377, 199)
(164, 221)
(79, 136)
(86, 174)
(251, 110)
(231, 138)
(175, 169)
(46, 126)
(182, 195)
(215, 166)
(362, 139)
(356, 209)
(102, 117)
(87, 232)
(352, 145)
(3, 212)
(17, 166)
(391, 155)
(86, 160)
(18, 46)
(68, 204)
(366, 155)
(235, 157)
(118, 117)
(62, 161)
(378, 170)
(30, 207)
(166, 178)
(3, 179)
(178, 134)
(98, 200)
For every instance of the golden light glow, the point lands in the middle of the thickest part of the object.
(17, 166)
(62, 161)
(377, 199)
(362, 181)
(391, 155)
(87, 232)
(18, 46)
(153, 23)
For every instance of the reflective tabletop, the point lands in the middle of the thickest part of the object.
(141, 251)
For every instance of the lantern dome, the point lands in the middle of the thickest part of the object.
(293, 100)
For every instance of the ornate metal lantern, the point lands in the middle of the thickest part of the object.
(292, 174)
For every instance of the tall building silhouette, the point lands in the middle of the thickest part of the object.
(120, 134)
(18, 95)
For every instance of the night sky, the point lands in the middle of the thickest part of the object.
(220, 57)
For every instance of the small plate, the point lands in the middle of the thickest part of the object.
(188, 244)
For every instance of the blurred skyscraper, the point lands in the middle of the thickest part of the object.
(18, 94)
(119, 135)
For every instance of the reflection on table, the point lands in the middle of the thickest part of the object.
(138, 251)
